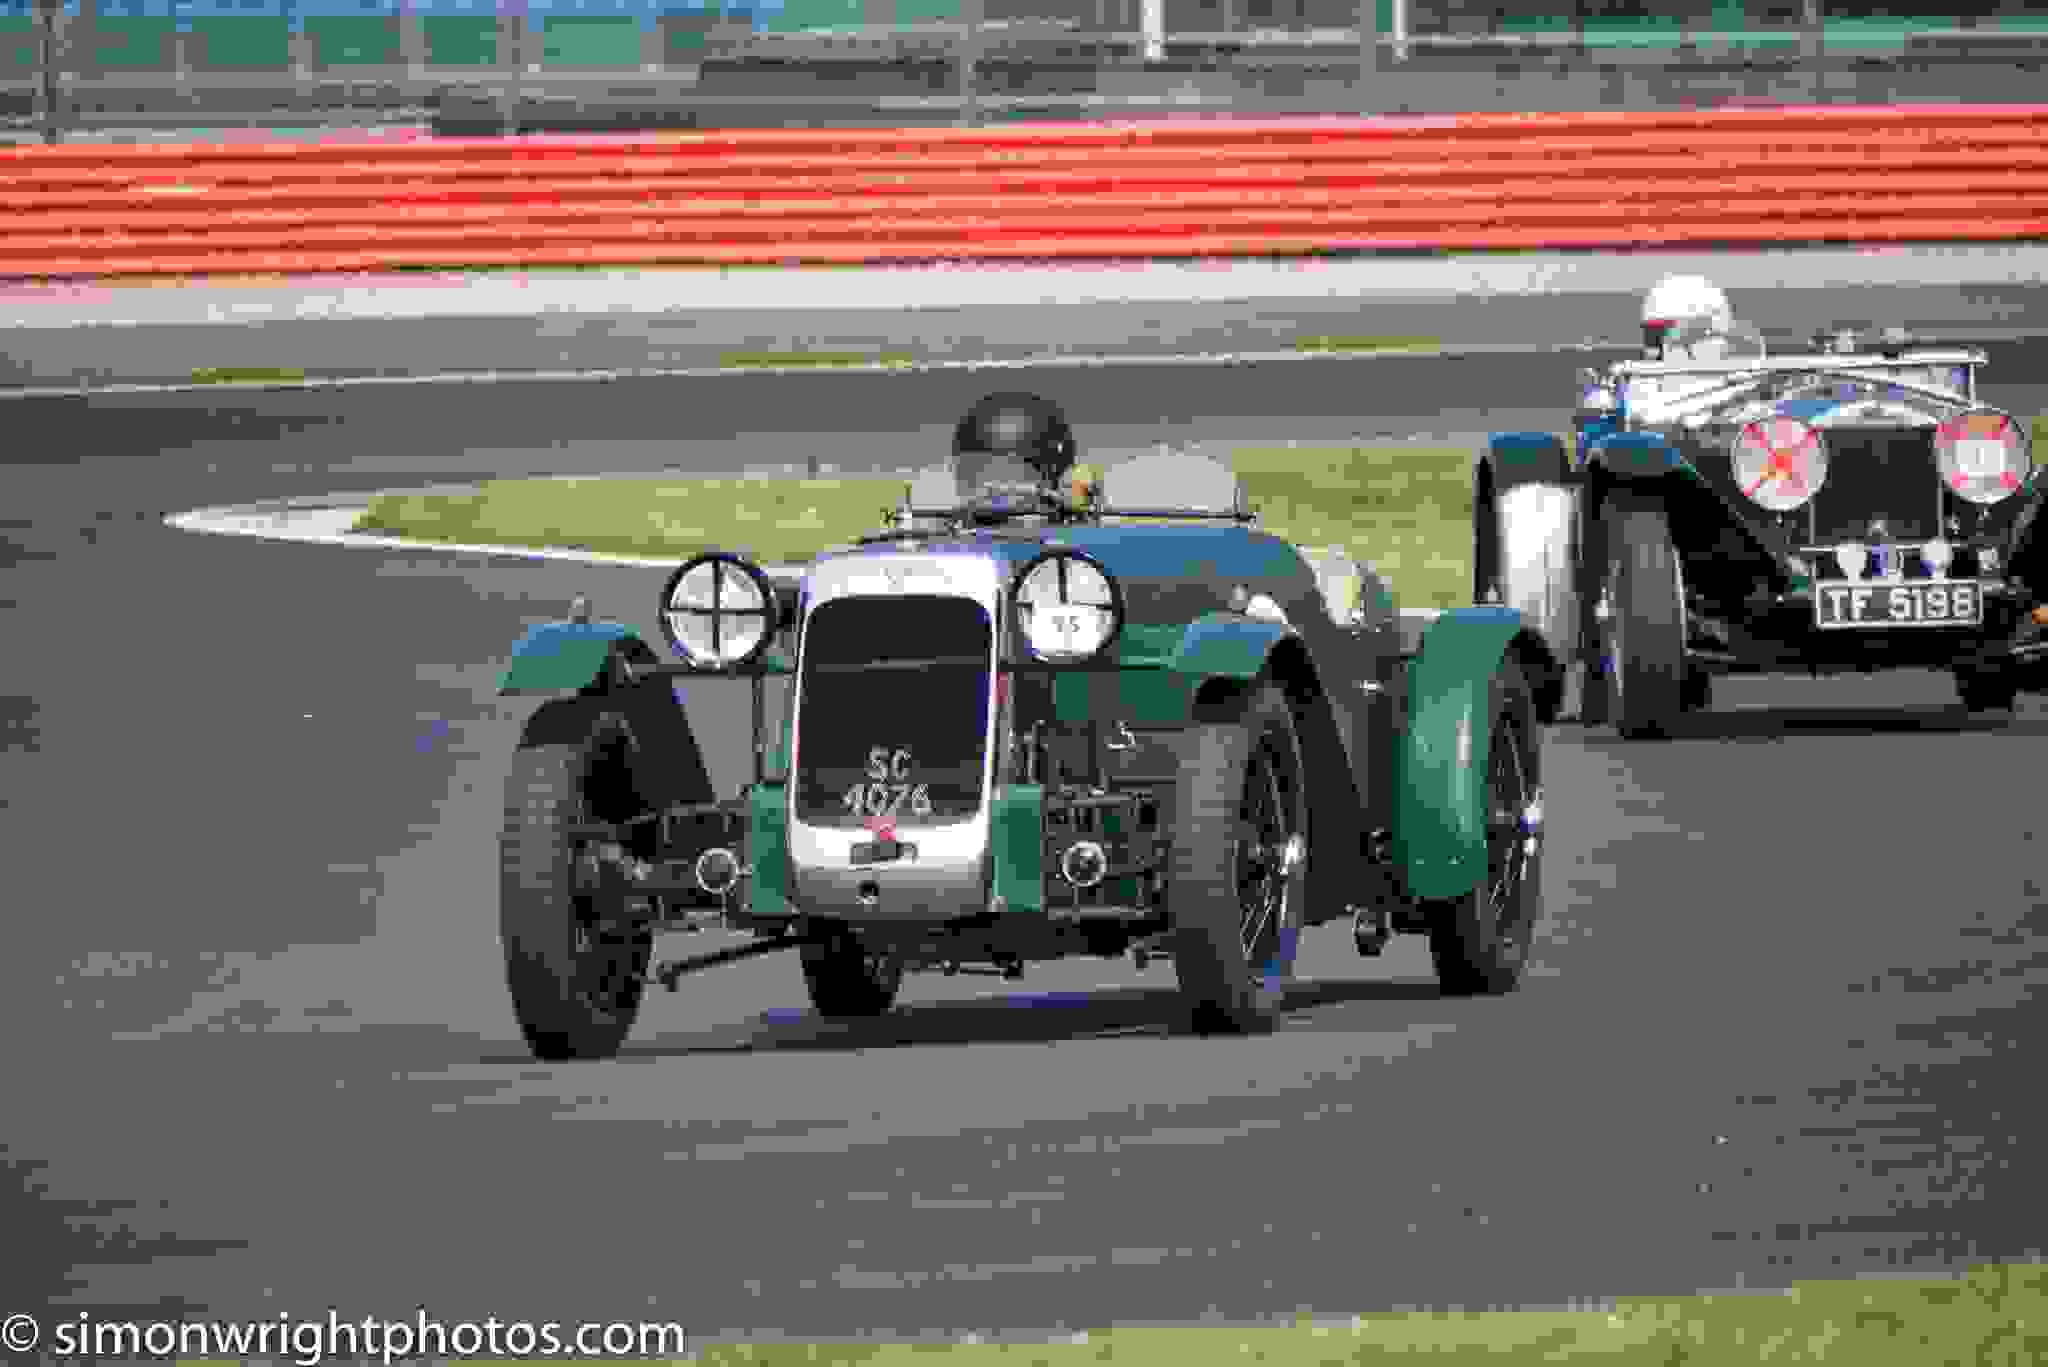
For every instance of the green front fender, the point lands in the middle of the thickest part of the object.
(1225, 645)
(563, 657)
(1441, 760)
(1513, 459)
(556, 657)
(1640, 455)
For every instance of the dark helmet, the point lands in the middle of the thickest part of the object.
(1012, 428)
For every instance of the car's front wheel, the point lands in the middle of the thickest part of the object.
(1481, 941)
(848, 978)
(577, 944)
(1641, 615)
(1239, 867)
(1697, 694)
(1985, 693)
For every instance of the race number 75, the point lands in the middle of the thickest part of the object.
(888, 788)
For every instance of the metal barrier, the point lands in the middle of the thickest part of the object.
(1948, 173)
(67, 68)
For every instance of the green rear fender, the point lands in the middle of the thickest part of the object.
(1440, 775)
(1164, 668)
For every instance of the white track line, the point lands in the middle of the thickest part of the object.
(1047, 362)
(947, 286)
(329, 526)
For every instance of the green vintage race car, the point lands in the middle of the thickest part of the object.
(1025, 720)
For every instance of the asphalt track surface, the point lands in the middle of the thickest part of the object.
(260, 1056)
(680, 320)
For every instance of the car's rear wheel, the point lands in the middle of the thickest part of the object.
(848, 978)
(1641, 613)
(1238, 875)
(1480, 941)
(577, 942)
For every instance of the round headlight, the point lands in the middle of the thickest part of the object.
(1068, 607)
(717, 869)
(1982, 457)
(1084, 864)
(1779, 462)
(1342, 581)
(718, 611)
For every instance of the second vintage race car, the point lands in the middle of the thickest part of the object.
(1718, 509)
(1025, 720)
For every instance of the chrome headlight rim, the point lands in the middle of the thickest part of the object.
(1087, 850)
(722, 563)
(1774, 436)
(1021, 608)
(731, 860)
(1977, 426)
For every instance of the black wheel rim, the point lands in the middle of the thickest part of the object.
(1513, 837)
(1265, 828)
(605, 977)
(1614, 646)
(604, 935)
(880, 970)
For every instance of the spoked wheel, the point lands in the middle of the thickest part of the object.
(1239, 868)
(577, 941)
(1481, 941)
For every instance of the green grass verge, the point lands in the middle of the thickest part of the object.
(1406, 509)
(1422, 344)
(745, 360)
(1996, 1316)
(248, 374)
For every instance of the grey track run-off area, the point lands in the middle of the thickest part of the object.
(1776, 1026)
(91, 335)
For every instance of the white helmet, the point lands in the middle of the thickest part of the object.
(1686, 316)
(1680, 299)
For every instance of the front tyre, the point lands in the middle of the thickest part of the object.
(576, 945)
(846, 978)
(1642, 619)
(1698, 692)
(1480, 941)
(1985, 692)
(1239, 867)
